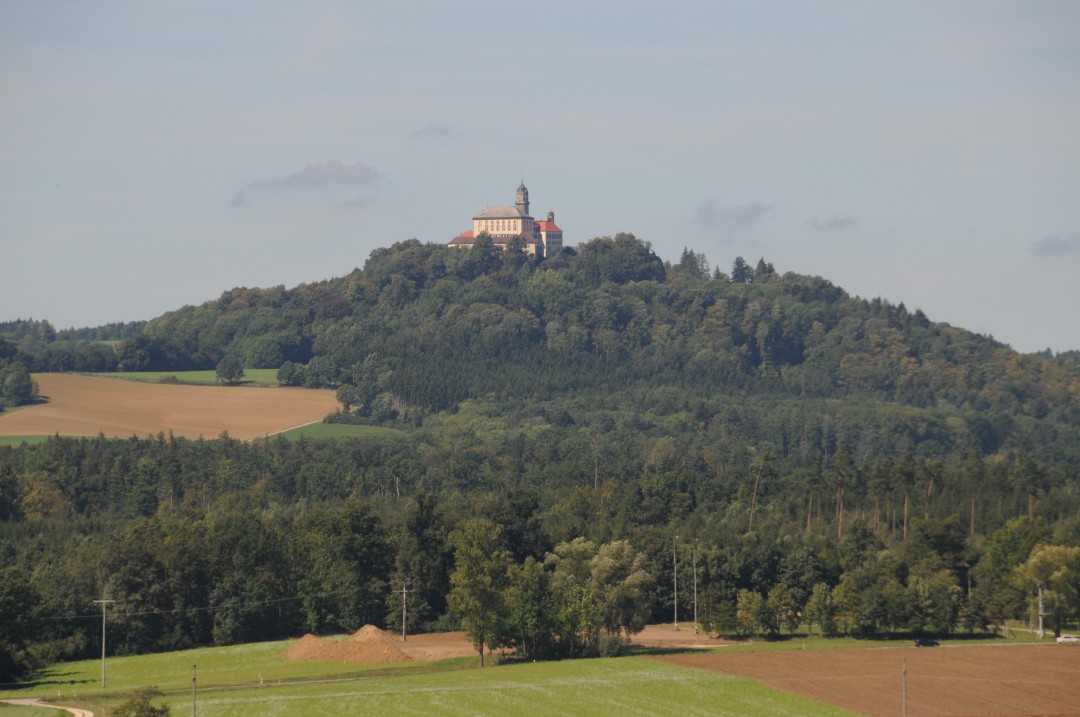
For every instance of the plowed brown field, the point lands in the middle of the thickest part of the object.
(1004, 681)
(89, 405)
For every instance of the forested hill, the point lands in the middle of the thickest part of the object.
(815, 443)
(786, 359)
(612, 326)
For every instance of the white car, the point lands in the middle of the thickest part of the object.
(1068, 640)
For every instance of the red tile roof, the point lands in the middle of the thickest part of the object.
(548, 227)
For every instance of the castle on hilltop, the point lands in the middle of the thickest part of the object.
(506, 223)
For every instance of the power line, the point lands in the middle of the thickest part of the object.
(207, 608)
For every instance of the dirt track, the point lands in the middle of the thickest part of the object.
(89, 405)
(35, 702)
(992, 681)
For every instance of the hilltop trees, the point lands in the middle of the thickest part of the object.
(611, 317)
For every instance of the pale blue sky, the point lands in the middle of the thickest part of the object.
(155, 154)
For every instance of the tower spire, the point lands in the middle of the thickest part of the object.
(522, 198)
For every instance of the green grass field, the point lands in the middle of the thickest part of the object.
(16, 440)
(342, 430)
(254, 679)
(235, 665)
(616, 686)
(252, 376)
(315, 430)
(21, 711)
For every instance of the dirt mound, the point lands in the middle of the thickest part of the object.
(368, 645)
(370, 633)
(305, 648)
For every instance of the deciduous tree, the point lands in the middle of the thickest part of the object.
(1056, 569)
(479, 580)
(229, 370)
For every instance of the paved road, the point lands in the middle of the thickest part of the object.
(35, 702)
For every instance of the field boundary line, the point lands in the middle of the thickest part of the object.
(285, 430)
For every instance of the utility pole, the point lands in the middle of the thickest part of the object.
(675, 564)
(903, 685)
(404, 606)
(695, 587)
(103, 602)
(193, 691)
(1042, 633)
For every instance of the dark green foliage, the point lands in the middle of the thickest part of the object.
(596, 395)
(20, 607)
(423, 560)
(16, 386)
(479, 580)
(141, 704)
(23, 329)
(741, 273)
(230, 370)
(108, 332)
(39, 347)
(618, 260)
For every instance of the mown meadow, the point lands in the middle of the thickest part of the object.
(252, 376)
(254, 679)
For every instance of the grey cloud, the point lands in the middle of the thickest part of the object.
(316, 176)
(432, 131)
(1054, 245)
(734, 215)
(836, 221)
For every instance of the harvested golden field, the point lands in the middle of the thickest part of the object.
(88, 405)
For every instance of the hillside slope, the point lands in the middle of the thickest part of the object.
(422, 327)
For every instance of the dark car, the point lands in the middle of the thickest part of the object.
(925, 642)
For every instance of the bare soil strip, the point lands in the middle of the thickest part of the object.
(91, 405)
(991, 681)
(370, 645)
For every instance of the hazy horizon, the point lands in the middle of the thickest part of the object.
(155, 156)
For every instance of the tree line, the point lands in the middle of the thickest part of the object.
(522, 542)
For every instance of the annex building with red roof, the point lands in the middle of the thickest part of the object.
(505, 224)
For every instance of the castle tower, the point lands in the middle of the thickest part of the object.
(522, 199)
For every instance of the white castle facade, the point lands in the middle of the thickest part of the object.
(507, 223)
